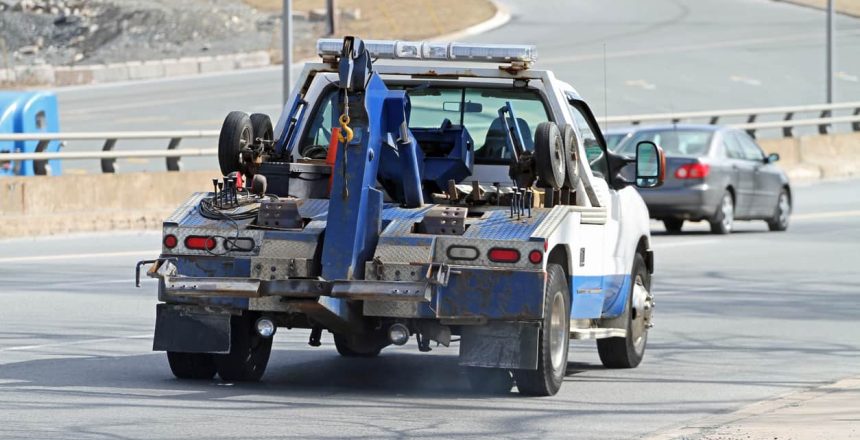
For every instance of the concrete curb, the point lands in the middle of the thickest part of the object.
(133, 70)
(743, 419)
(499, 19)
(59, 76)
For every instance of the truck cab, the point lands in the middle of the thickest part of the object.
(414, 189)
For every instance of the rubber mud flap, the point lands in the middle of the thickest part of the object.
(178, 329)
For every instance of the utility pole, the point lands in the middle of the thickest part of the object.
(829, 51)
(287, 45)
(331, 9)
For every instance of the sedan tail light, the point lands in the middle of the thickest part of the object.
(693, 171)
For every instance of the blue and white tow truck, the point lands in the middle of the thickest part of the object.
(443, 190)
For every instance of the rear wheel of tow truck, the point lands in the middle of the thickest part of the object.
(236, 134)
(627, 352)
(361, 349)
(554, 339)
(249, 352)
(191, 365)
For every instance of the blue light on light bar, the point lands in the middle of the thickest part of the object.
(427, 50)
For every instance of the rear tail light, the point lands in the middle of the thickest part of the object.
(535, 257)
(503, 255)
(693, 171)
(170, 241)
(197, 242)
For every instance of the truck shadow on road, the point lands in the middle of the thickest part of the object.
(290, 372)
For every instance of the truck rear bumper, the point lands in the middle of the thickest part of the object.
(445, 293)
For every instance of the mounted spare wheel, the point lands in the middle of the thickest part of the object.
(236, 134)
(261, 126)
(549, 155)
(571, 179)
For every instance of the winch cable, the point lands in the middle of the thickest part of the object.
(207, 209)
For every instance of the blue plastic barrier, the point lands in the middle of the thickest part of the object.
(29, 112)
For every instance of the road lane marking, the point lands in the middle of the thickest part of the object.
(80, 342)
(687, 48)
(640, 83)
(745, 80)
(141, 252)
(829, 214)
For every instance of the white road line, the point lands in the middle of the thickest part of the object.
(85, 341)
(683, 243)
(142, 252)
(830, 214)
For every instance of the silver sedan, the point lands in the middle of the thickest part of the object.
(713, 173)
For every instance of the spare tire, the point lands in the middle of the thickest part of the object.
(571, 170)
(236, 133)
(549, 155)
(262, 127)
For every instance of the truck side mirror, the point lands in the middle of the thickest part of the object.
(650, 165)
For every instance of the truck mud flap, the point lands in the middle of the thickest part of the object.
(185, 330)
(500, 345)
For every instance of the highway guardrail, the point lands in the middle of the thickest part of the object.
(108, 156)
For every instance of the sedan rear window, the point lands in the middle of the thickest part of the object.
(682, 143)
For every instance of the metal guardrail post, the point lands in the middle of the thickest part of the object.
(787, 131)
(750, 120)
(109, 165)
(40, 167)
(824, 128)
(856, 124)
(714, 120)
(174, 163)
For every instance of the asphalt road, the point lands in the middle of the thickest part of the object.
(739, 319)
(660, 56)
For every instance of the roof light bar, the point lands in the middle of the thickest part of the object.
(428, 50)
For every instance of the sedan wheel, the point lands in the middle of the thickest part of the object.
(724, 219)
(781, 213)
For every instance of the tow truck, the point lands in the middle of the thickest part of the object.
(445, 191)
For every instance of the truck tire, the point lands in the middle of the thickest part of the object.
(554, 339)
(361, 350)
(236, 133)
(191, 365)
(627, 352)
(489, 380)
(261, 125)
(724, 218)
(781, 213)
(549, 155)
(571, 171)
(249, 352)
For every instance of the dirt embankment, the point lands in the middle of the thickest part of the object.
(81, 32)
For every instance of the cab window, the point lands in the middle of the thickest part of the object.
(476, 108)
(594, 152)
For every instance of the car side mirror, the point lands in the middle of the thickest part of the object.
(650, 165)
(772, 157)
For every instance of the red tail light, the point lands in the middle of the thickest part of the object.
(693, 171)
(503, 255)
(170, 241)
(535, 257)
(200, 243)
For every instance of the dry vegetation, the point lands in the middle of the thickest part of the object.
(405, 19)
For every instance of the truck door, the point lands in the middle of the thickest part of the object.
(594, 258)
